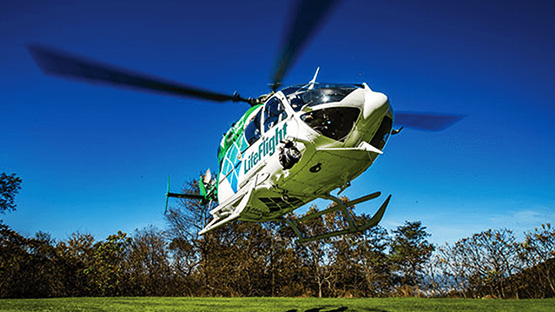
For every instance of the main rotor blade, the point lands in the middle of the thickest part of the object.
(58, 63)
(308, 16)
(426, 121)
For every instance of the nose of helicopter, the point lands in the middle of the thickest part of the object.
(375, 103)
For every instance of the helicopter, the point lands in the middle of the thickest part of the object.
(292, 146)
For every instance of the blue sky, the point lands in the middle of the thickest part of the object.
(96, 159)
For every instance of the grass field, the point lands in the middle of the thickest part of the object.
(273, 304)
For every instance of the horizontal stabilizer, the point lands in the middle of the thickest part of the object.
(181, 195)
(189, 196)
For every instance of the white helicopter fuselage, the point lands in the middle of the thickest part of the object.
(290, 147)
(336, 141)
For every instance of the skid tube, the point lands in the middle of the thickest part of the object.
(343, 207)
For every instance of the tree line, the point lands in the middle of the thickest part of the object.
(263, 259)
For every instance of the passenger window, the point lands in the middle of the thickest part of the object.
(252, 131)
(274, 112)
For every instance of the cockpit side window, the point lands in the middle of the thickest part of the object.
(274, 112)
(252, 130)
(296, 103)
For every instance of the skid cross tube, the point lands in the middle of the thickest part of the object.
(343, 207)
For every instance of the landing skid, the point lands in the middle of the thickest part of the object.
(343, 207)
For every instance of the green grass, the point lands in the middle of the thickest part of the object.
(273, 304)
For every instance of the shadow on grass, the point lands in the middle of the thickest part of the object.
(341, 309)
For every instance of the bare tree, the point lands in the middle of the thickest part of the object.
(482, 264)
(539, 253)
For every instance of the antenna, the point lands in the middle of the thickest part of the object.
(313, 81)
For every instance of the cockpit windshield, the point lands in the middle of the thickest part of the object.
(320, 93)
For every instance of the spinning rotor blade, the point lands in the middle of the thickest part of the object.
(308, 15)
(57, 63)
(426, 121)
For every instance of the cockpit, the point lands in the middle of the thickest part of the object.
(333, 122)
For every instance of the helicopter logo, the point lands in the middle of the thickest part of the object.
(293, 145)
(265, 148)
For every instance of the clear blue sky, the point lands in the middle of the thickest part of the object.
(96, 159)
